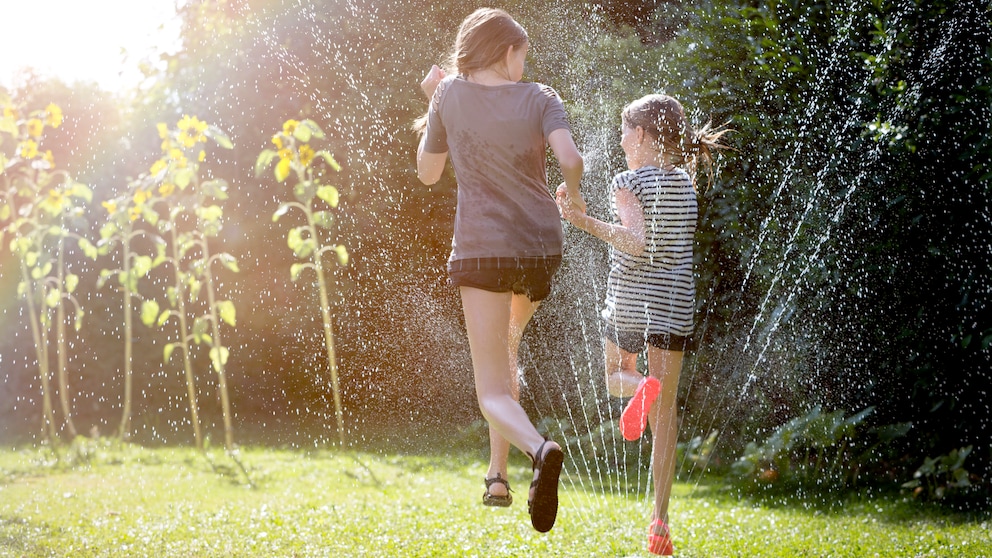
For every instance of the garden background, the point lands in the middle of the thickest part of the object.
(843, 254)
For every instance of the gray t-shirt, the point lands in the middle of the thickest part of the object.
(496, 137)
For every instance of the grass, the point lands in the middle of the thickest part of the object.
(104, 499)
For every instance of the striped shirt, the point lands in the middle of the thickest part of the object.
(654, 292)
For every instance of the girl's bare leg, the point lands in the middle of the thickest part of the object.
(487, 321)
(622, 377)
(521, 311)
(663, 418)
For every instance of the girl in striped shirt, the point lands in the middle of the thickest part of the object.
(650, 291)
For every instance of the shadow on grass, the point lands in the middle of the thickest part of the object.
(888, 502)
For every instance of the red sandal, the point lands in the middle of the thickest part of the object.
(634, 417)
(660, 544)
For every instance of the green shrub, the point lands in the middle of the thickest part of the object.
(818, 448)
(944, 477)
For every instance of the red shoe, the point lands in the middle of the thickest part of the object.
(634, 417)
(660, 544)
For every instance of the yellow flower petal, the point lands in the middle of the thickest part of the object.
(54, 115)
(158, 166)
(306, 155)
(35, 127)
(140, 197)
(186, 139)
(53, 203)
(28, 149)
(283, 167)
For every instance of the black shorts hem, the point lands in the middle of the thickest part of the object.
(530, 276)
(636, 341)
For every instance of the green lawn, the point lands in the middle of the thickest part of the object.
(173, 503)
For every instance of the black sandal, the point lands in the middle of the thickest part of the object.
(543, 505)
(499, 501)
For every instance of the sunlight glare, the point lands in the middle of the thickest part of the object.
(100, 41)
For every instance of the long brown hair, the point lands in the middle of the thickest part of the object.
(482, 42)
(663, 118)
(483, 39)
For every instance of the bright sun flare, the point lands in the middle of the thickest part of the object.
(97, 40)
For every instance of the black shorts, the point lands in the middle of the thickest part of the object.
(526, 276)
(634, 341)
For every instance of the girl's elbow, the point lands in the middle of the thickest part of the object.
(573, 162)
(429, 173)
(637, 245)
(427, 179)
(634, 250)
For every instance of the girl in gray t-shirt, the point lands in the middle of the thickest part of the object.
(507, 240)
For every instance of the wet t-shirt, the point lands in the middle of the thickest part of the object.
(496, 137)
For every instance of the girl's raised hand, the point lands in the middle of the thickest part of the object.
(434, 77)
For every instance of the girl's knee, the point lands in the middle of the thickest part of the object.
(623, 382)
(489, 406)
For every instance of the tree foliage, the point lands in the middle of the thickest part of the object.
(846, 244)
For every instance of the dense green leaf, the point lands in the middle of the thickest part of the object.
(282, 210)
(88, 249)
(229, 261)
(263, 161)
(141, 265)
(149, 312)
(296, 269)
(167, 351)
(52, 298)
(218, 357)
(342, 253)
(216, 189)
(81, 191)
(183, 177)
(210, 213)
(304, 191)
(219, 137)
(227, 312)
(329, 159)
(323, 219)
(71, 282)
(329, 194)
(200, 327)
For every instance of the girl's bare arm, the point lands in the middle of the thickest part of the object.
(628, 236)
(570, 161)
